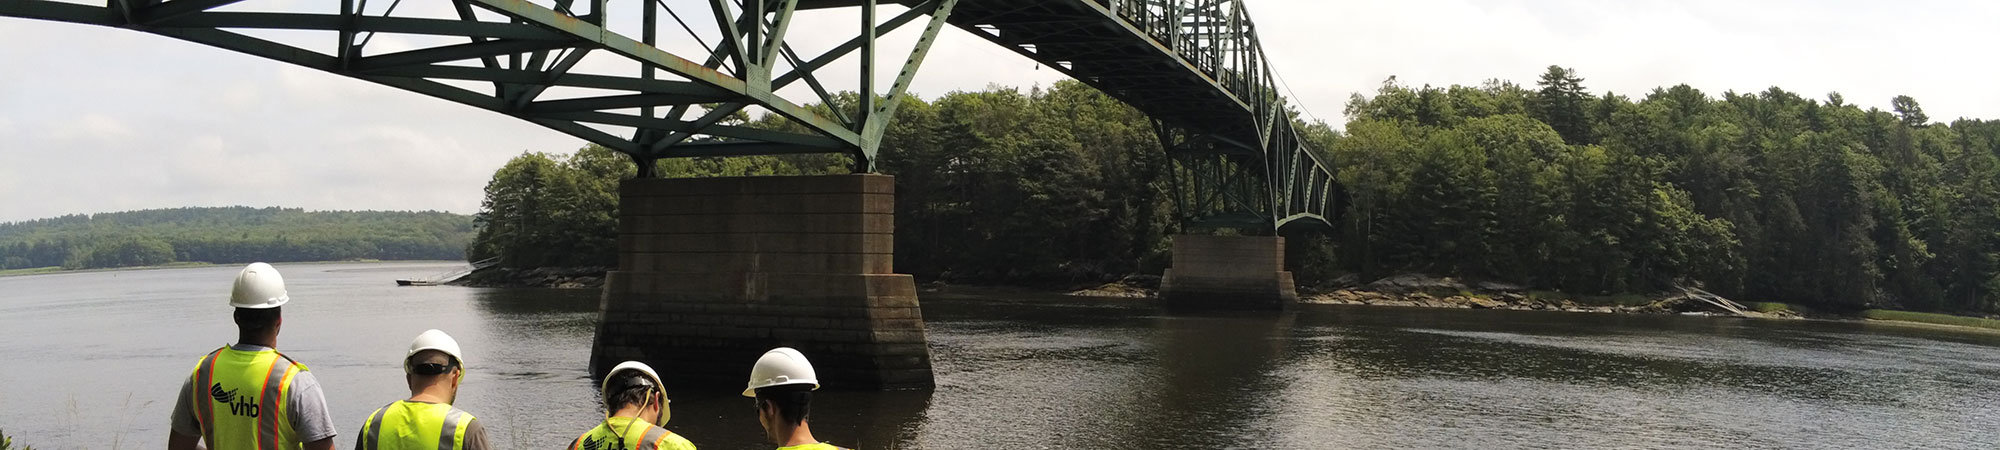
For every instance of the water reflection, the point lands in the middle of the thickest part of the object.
(1048, 372)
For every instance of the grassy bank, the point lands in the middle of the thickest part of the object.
(30, 271)
(1931, 318)
(58, 269)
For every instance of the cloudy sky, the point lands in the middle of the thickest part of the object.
(96, 119)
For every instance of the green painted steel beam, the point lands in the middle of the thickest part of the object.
(175, 8)
(337, 22)
(848, 47)
(701, 150)
(739, 132)
(62, 12)
(645, 54)
(450, 53)
(536, 77)
(625, 101)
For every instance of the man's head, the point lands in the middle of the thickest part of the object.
(782, 408)
(782, 381)
(434, 365)
(433, 371)
(258, 322)
(634, 389)
(256, 295)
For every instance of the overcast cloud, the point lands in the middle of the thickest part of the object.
(96, 119)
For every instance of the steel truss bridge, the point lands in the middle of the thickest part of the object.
(672, 78)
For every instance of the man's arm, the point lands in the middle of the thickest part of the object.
(475, 435)
(185, 431)
(322, 444)
(178, 441)
(309, 415)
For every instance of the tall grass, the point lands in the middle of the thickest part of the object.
(7, 443)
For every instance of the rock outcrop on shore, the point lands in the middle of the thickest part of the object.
(1423, 291)
(1509, 300)
(1444, 292)
(1132, 286)
(545, 277)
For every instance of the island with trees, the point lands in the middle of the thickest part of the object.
(231, 235)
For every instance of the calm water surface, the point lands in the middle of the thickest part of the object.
(92, 360)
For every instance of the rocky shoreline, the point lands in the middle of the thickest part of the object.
(1421, 291)
(1407, 290)
(540, 277)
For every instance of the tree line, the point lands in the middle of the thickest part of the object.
(230, 235)
(1769, 195)
(1000, 185)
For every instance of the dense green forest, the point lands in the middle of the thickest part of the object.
(230, 235)
(994, 186)
(1768, 196)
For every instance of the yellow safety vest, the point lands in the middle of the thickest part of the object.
(408, 425)
(241, 398)
(637, 435)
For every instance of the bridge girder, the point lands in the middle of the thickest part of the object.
(672, 105)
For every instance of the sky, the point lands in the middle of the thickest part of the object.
(96, 119)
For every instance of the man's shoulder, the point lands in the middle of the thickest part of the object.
(305, 382)
(814, 446)
(674, 441)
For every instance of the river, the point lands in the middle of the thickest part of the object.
(93, 360)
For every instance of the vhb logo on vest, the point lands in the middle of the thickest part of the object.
(239, 406)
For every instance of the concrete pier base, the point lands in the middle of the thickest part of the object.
(714, 271)
(1228, 272)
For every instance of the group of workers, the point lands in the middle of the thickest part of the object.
(247, 396)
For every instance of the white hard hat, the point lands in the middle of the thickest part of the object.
(645, 372)
(258, 286)
(778, 367)
(434, 340)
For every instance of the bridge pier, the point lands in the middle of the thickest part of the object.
(1228, 272)
(714, 271)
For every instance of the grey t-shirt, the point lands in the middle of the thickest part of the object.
(307, 406)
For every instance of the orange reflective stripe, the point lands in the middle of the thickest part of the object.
(650, 440)
(267, 438)
(269, 398)
(204, 376)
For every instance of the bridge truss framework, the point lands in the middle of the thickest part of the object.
(1196, 67)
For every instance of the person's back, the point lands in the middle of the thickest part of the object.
(239, 396)
(635, 407)
(247, 395)
(414, 425)
(433, 368)
(629, 433)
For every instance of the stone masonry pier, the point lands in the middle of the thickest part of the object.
(1228, 272)
(714, 271)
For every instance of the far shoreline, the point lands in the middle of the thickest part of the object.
(575, 278)
(54, 270)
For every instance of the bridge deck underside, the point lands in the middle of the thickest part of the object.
(1088, 42)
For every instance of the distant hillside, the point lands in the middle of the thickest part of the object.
(231, 235)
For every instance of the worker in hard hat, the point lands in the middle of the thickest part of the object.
(247, 395)
(782, 382)
(433, 367)
(635, 408)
